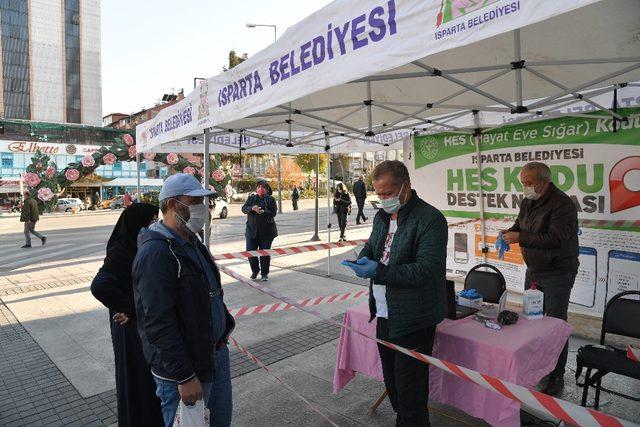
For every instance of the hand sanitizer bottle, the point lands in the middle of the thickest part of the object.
(533, 302)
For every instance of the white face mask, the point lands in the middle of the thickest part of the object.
(530, 193)
(197, 217)
(392, 204)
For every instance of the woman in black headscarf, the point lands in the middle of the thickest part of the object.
(137, 402)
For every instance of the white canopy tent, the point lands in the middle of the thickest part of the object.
(355, 70)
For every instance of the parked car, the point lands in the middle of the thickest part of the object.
(68, 205)
(117, 203)
(221, 209)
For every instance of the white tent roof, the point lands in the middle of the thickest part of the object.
(424, 64)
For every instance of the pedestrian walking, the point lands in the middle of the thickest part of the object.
(135, 388)
(341, 206)
(295, 196)
(228, 192)
(30, 214)
(360, 193)
(127, 199)
(182, 320)
(261, 229)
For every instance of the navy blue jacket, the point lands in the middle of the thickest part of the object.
(173, 309)
(261, 226)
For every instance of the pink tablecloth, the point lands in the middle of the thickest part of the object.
(521, 353)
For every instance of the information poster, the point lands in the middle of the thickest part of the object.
(595, 163)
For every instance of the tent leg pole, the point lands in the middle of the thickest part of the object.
(279, 184)
(517, 58)
(207, 174)
(316, 237)
(327, 147)
(483, 233)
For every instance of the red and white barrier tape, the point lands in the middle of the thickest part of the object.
(560, 409)
(294, 250)
(261, 364)
(633, 353)
(280, 306)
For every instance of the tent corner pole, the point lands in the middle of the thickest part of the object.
(327, 149)
(138, 197)
(207, 174)
(483, 232)
(316, 236)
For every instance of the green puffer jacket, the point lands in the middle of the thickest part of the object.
(415, 274)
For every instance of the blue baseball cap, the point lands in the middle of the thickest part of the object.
(182, 184)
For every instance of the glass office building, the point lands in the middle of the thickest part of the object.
(50, 61)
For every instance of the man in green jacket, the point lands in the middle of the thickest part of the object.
(405, 258)
(29, 214)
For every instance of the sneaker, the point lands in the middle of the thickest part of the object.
(554, 387)
(25, 246)
(44, 241)
(254, 276)
(265, 278)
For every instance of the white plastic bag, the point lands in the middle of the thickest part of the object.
(192, 416)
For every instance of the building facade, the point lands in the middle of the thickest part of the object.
(50, 61)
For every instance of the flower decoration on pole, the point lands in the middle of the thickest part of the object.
(190, 170)
(72, 174)
(132, 151)
(31, 179)
(88, 161)
(172, 159)
(50, 172)
(218, 175)
(109, 159)
(45, 194)
(128, 139)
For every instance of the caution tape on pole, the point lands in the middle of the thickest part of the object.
(294, 250)
(262, 365)
(307, 302)
(551, 406)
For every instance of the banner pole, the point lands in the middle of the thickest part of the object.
(316, 212)
(327, 149)
(483, 233)
(138, 196)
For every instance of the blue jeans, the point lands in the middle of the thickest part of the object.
(216, 394)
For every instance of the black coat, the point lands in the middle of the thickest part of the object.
(295, 194)
(359, 190)
(341, 202)
(174, 309)
(261, 226)
(548, 230)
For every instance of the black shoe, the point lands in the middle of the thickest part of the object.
(554, 386)
(357, 223)
(25, 246)
(265, 278)
(44, 241)
(365, 220)
(254, 276)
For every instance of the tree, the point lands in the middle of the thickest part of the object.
(307, 162)
(291, 173)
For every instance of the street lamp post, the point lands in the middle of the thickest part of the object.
(275, 38)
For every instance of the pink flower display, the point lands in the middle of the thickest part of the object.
(88, 161)
(45, 194)
(132, 151)
(172, 158)
(128, 139)
(109, 159)
(149, 156)
(50, 172)
(72, 174)
(217, 175)
(190, 170)
(31, 179)
(39, 166)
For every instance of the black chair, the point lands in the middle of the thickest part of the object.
(621, 317)
(489, 284)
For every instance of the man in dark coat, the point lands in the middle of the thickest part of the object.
(405, 258)
(360, 193)
(261, 229)
(30, 215)
(295, 196)
(547, 231)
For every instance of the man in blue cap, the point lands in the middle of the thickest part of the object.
(183, 322)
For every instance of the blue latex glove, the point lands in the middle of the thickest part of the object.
(363, 267)
(501, 246)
